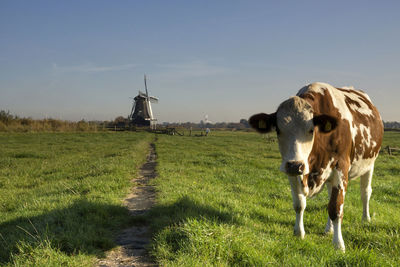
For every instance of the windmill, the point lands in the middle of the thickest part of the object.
(141, 113)
(206, 120)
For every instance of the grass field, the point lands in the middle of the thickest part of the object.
(220, 201)
(60, 195)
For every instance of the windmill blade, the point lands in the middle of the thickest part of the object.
(153, 99)
(133, 110)
(145, 86)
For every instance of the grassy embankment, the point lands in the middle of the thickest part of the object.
(60, 195)
(222, 201)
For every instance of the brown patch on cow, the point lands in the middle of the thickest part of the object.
(336, 145)
(304, 181)
(336, 201)
(332, 204)
(350, 102)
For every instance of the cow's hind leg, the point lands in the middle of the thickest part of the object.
(299, 205)
(329, 224)
(366, 190)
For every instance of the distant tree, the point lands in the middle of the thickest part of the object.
(235, 125)
(82, 125)
(6, 117)
(119, 119)
(221, 125)
(391, 124)
(245, 123)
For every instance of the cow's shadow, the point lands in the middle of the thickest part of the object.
(182, 211)
(186, 208)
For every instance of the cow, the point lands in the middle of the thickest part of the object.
(326, 136)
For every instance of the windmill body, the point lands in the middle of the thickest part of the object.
(141, 113)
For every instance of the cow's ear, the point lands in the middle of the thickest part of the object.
(325, 123)
(262, 122)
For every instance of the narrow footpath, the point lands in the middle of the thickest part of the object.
(134, 241)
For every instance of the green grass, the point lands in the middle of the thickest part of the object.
(222, 201)
(60, 195)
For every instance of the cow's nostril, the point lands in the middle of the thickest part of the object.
(295, 167)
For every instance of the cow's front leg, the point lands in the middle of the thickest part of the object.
(335, 208)
(299, 205)
(329, 224)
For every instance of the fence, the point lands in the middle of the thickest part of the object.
(391, 150)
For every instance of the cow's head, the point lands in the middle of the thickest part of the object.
(295, 124)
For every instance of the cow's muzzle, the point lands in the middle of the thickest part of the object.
(295, 167)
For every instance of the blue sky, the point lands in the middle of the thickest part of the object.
(228, 59)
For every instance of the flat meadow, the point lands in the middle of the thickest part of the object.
(60, 195)
(221, 201)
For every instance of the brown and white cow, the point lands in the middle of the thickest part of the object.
(326, 135)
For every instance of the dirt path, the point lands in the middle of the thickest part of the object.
(133, 241)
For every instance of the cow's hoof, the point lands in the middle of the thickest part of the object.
(366, 219)
(340, 247)
(328, 230)
(299, 234)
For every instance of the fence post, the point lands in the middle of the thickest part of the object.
(389, 150)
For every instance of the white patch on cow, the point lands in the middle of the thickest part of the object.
(348, 87)
(341, 209)
(296, 139)
(337, 235)
(366, 190)
(325, 175)
(342, 205)
(364, 108)
(327, 171)
(360, 166)
(299, 204)
(314, 87)
(366, 139)
(337, 179)
(373, 144)
(305, 189)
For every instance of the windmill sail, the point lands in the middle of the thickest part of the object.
(153, 99)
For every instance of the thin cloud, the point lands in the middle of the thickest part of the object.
(191, 69)
(91, 68)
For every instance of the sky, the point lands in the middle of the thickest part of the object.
(76, 60)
